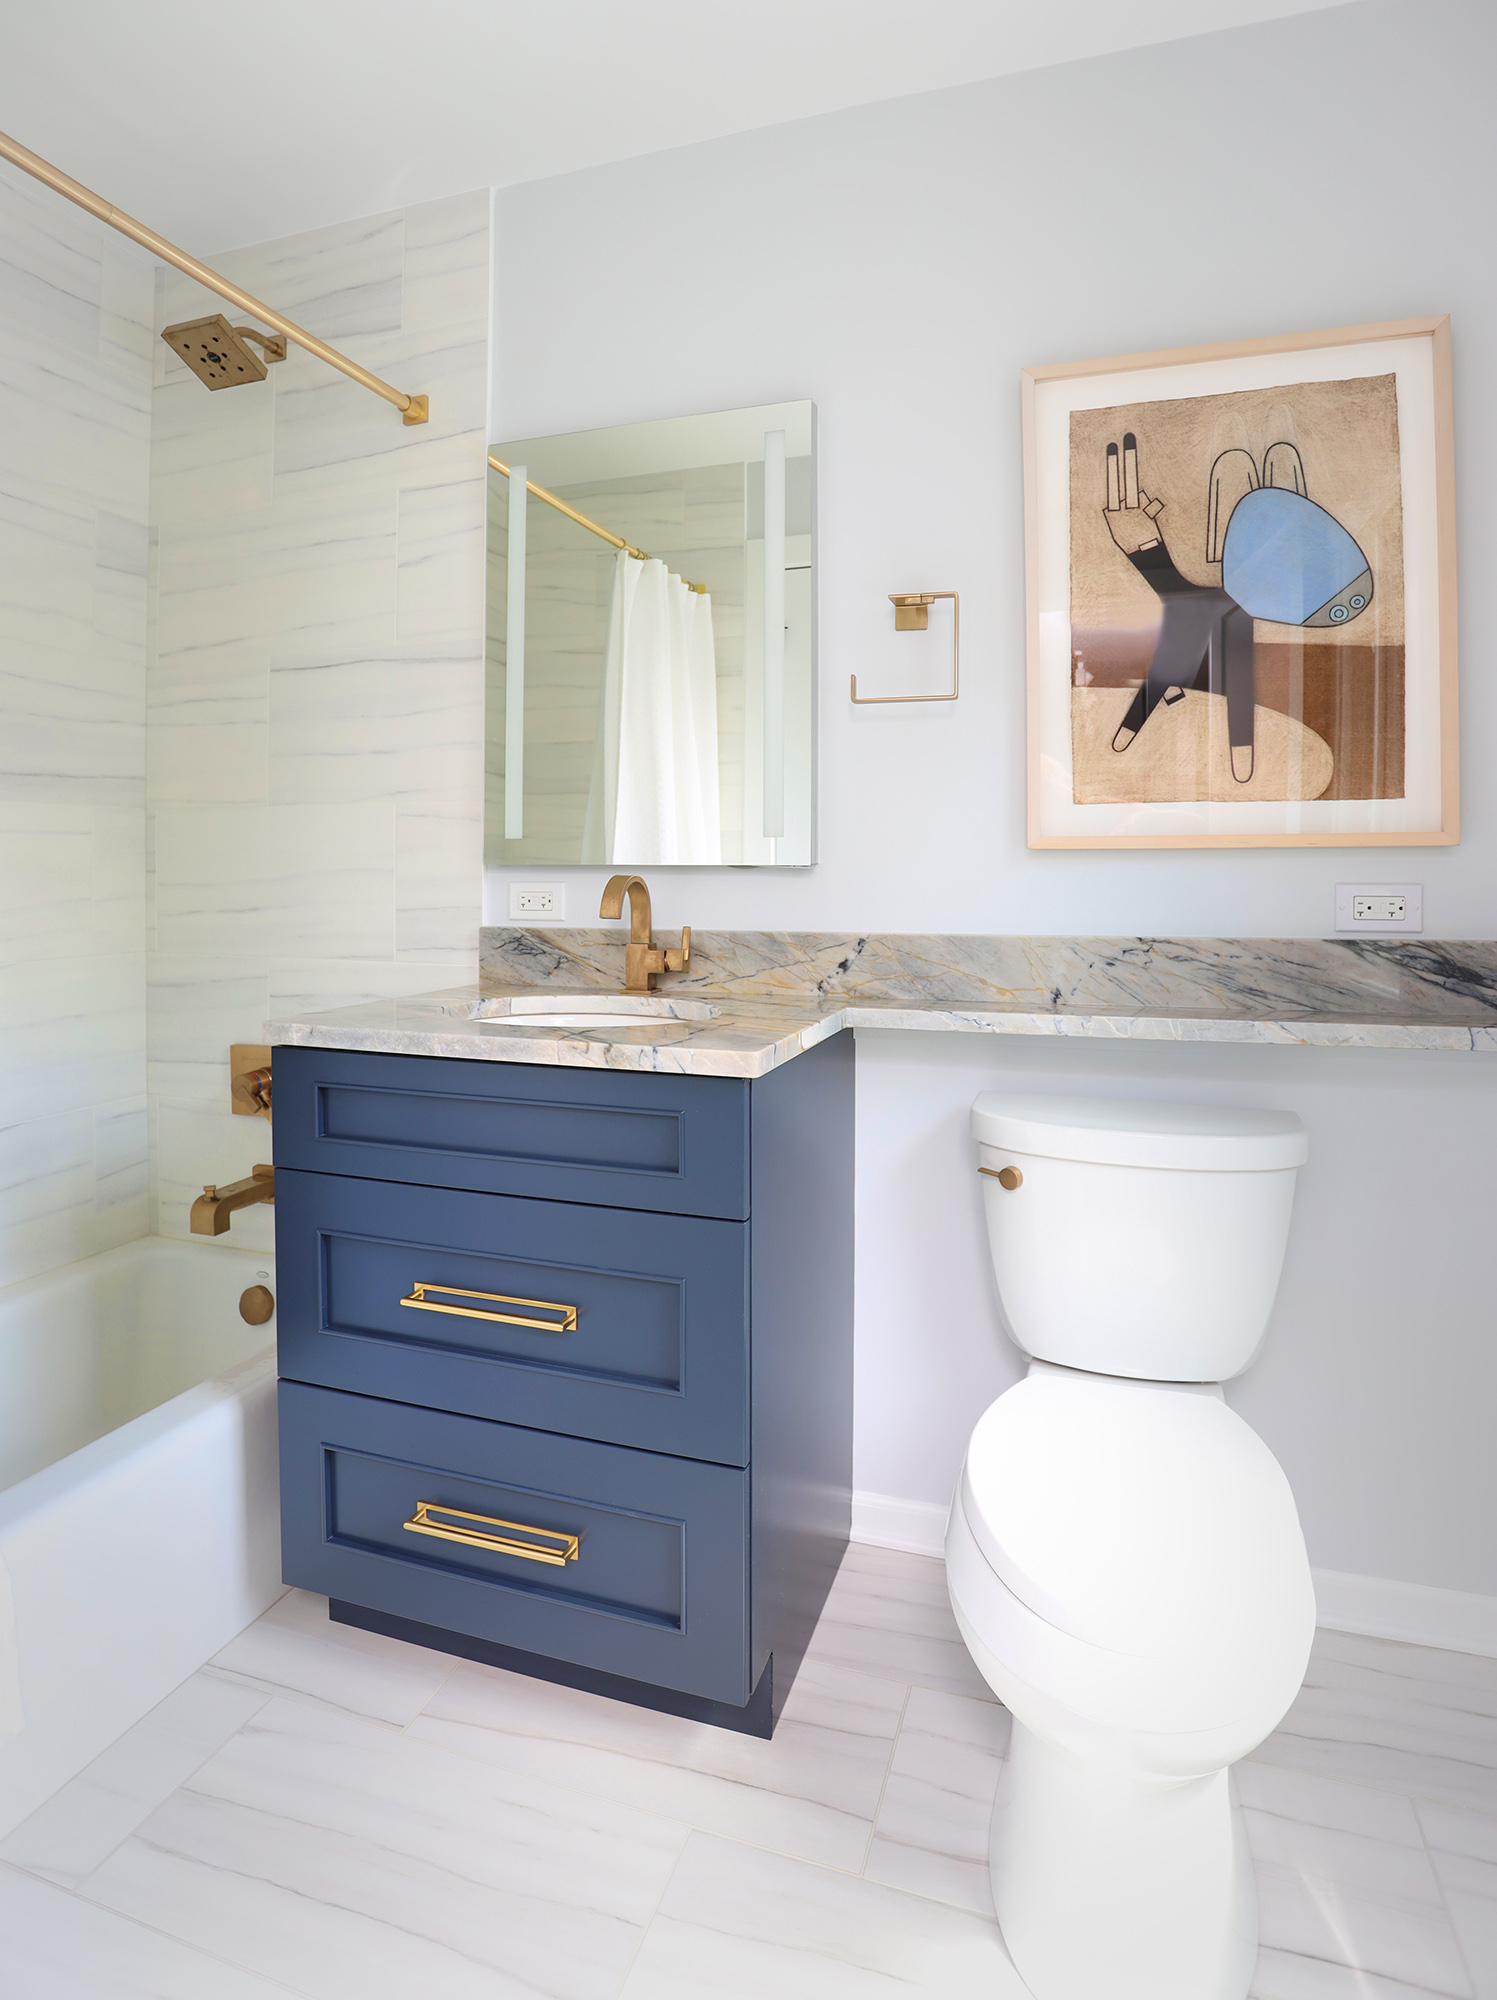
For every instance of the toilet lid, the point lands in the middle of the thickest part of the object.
(1128, 1132)
(1139, 1516)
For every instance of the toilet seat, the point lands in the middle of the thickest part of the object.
(1132, 1550)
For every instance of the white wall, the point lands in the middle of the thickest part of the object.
(900, 264)
(315, 724)
(75, 403)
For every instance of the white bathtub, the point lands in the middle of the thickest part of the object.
(139, 1520)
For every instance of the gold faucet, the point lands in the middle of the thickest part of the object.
(213, 1207)
(642, 958)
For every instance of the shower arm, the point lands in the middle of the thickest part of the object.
(413, 409)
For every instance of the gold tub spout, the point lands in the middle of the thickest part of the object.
(213, 1207)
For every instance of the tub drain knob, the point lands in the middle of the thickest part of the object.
(256, 1305)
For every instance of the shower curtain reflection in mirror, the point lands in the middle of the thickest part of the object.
(654, 791)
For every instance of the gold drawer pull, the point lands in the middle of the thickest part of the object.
(563, 1548)
(566, 1324)
(1006, 1177)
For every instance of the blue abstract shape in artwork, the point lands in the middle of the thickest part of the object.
(1287, 559)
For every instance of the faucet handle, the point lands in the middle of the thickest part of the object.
(677, 961)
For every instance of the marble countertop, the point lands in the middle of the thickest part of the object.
(749, 1036)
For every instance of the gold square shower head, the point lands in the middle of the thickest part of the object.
(219, 354)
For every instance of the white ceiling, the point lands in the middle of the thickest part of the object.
(227, 125)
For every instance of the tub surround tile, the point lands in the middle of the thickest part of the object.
(295, 1649)
(355, 1864)
(59, 1947)
(739, 1924)
(932, 1831)
(208, 724)
(79, 1826)
(812, 1791)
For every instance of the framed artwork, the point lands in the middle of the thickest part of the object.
(1240, 581)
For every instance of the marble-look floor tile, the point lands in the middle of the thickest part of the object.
(295, 1649)
(358, 1865)
(932, 1830)
(811, 1791)
(1343, 1875)
(84, 1822)
(54, 1946)
(1285, 1975)
(739, 1924)
(1463, 1846)
(888, 1613)
(1412, 1719)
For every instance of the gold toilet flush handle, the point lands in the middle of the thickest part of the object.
(1006, 1177)
(548, 1545)
(567, 1323)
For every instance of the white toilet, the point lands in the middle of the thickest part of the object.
(1124, 1557)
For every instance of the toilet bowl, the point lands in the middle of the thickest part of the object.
(1123, 1556)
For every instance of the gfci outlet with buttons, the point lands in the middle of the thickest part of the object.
(1379, 909)
(537, 902)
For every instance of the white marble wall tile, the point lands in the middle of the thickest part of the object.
(438, 870)
(1408, 1718)
(888, 1613)
(121, 548)
(208, 725)
(121, 1177)
(67, 721)
(259, 880)
(212, 451)
(1343, 1875)
(932, 1831)
(295, 1649)
(58, 1947)
(440, 552)
(51, 255)
(812, 1791)
(296, 573)
(127, 296)
(397, 726)
(197, 1008)
(81, 1824)
(740, 1924)
(47, 555)
(1463, 1846)
(299, 984)
(119, 860)
(355, 1864)
(339, 282)
(76, 1039)
(46, 880)
(447, 265)
(46, 1192)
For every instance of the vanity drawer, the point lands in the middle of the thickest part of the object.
(677, 1144)
(626, 1327)
(625, 1561)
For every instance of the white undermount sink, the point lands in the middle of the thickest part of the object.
(593, 1010)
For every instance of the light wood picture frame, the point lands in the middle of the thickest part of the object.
(1240, 584)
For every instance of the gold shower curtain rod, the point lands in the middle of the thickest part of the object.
(413, 409)
(592, 527)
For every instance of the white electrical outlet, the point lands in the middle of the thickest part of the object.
(537, 902)
(1379, 909)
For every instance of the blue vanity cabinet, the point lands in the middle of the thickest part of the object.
(566, 1363)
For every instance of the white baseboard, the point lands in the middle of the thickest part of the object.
(1378, 1607)
(1417, 1613)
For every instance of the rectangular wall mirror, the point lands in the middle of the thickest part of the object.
(651, 644)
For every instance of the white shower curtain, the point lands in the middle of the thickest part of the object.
(654, 791)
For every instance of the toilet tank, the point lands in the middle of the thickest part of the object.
(1136, 1238)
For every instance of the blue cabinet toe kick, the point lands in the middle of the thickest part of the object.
(755, 1718)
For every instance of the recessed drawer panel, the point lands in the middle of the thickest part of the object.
(625, 1327)
(672, 1143)
(626, 1561)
